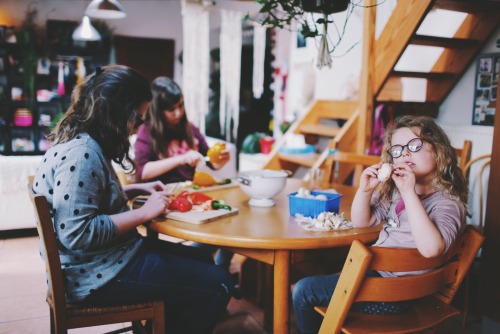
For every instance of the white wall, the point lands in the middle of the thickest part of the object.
(162, 19)
(145, 18)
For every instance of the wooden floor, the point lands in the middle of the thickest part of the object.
(23, 308)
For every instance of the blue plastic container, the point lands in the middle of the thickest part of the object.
(312, 207)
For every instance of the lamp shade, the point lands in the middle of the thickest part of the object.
(105, 9)
(86, 32)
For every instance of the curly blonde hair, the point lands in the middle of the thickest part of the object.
(448, 177)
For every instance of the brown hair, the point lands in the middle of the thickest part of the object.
(102, 106)
(166, 94)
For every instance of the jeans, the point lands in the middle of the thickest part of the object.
(318, 291)
(196, 292)
(222, 256)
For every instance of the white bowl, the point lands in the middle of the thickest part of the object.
(263, 185)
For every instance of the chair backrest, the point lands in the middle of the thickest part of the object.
(49, 243)
(340, 166)
(463, 155)
(486, 159)
(442, 283)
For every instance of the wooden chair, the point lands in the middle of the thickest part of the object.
(463, 154)
(340, 166)
(486, 160)
(433, 290)
(64, 316)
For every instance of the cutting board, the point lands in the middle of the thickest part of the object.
(189, 186)
(201, 217)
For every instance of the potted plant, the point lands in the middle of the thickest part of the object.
(283, 14)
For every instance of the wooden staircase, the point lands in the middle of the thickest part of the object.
(383, 82)
(459, 51)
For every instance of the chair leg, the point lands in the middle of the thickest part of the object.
(159, 318)
(465, 310)
(52, 323)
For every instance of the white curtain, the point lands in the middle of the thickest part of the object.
(230, 68)
(259, 53)
(196, 58)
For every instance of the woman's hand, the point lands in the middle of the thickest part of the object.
(155, 186)
(192, 157)
(369, 180)
(136, 189)
(223, 158)
(156, 204)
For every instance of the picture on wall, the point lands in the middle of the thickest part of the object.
(487, 68)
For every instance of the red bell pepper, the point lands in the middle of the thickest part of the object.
(181, 204)
(195, 197)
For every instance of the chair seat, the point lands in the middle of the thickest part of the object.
(425, 313)
(75, 310)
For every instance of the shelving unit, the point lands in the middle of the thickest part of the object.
(25, 117)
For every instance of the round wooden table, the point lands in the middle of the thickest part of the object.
(268, 235)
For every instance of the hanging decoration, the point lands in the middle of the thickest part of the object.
(324, 57)
(80, 70)
(230, 69)
(195, 60)
(259, 53)
(61, 90)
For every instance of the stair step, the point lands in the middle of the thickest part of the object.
(470, 7)
(423, 75)
(307, 160)
(319, 129)
(450, 43)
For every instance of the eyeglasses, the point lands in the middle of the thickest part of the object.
(136, 119)
(413, 145)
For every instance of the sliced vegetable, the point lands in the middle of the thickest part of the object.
(225, 181)
(203, 179)
(181, 204)
(195, 197)
(216, 205)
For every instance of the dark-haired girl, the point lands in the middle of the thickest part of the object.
(104, 260)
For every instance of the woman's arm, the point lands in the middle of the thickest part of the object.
(136, 189)
(156, 204)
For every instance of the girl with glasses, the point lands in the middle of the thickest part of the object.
(422, 205)
(168, 146)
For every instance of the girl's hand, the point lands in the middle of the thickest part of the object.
(223, 159)
(369, 180)
(192, 157)
(156, 204)
(404, 177)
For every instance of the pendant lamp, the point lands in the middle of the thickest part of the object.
(105, 9)
(86, 32)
